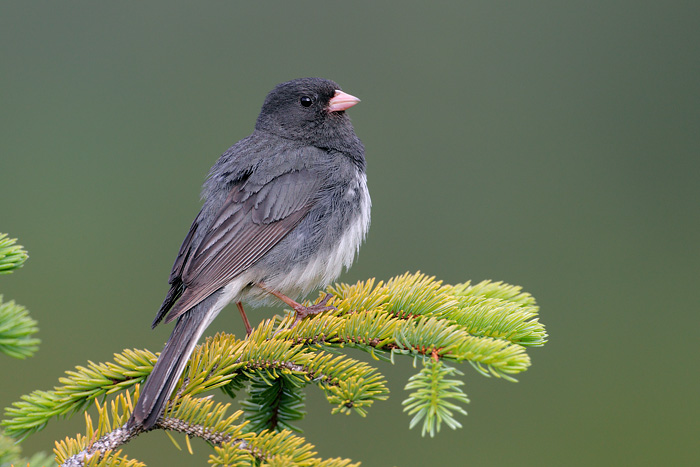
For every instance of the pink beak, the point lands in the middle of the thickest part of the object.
(341, 101)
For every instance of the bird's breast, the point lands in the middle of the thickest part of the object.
(332, 250)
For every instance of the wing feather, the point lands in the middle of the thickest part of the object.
(253, 219)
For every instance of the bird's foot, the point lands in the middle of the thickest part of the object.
(302, 311)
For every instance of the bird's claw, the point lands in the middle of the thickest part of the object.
(302, 311)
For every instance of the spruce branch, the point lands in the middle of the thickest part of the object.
(214, 364)
(430, 400)
(16, 326)
(80, 387)
(193, 417)
(498, 310)
(490, 325)
(491, 289)
(16, 331)
(12, 256)
(275, 404)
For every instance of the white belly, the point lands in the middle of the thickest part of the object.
(327, 266)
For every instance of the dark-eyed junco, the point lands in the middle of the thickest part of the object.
(285, 209)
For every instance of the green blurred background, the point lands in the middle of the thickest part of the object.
(553, 145)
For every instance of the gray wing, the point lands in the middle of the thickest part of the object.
(253, 219)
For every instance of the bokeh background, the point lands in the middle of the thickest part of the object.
(554, 145)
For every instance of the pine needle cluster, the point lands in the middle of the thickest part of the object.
(489, 324)
(17, 340)
(17, 328)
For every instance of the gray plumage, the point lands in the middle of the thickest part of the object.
(287, 207)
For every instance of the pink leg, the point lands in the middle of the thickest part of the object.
(248, 329)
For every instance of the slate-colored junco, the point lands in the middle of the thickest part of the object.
(285, 209)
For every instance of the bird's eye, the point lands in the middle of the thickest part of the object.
(306, 101)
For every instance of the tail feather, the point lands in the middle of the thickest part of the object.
(175, 292)
(171, 363)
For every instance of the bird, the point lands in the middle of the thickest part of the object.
(284, 210)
